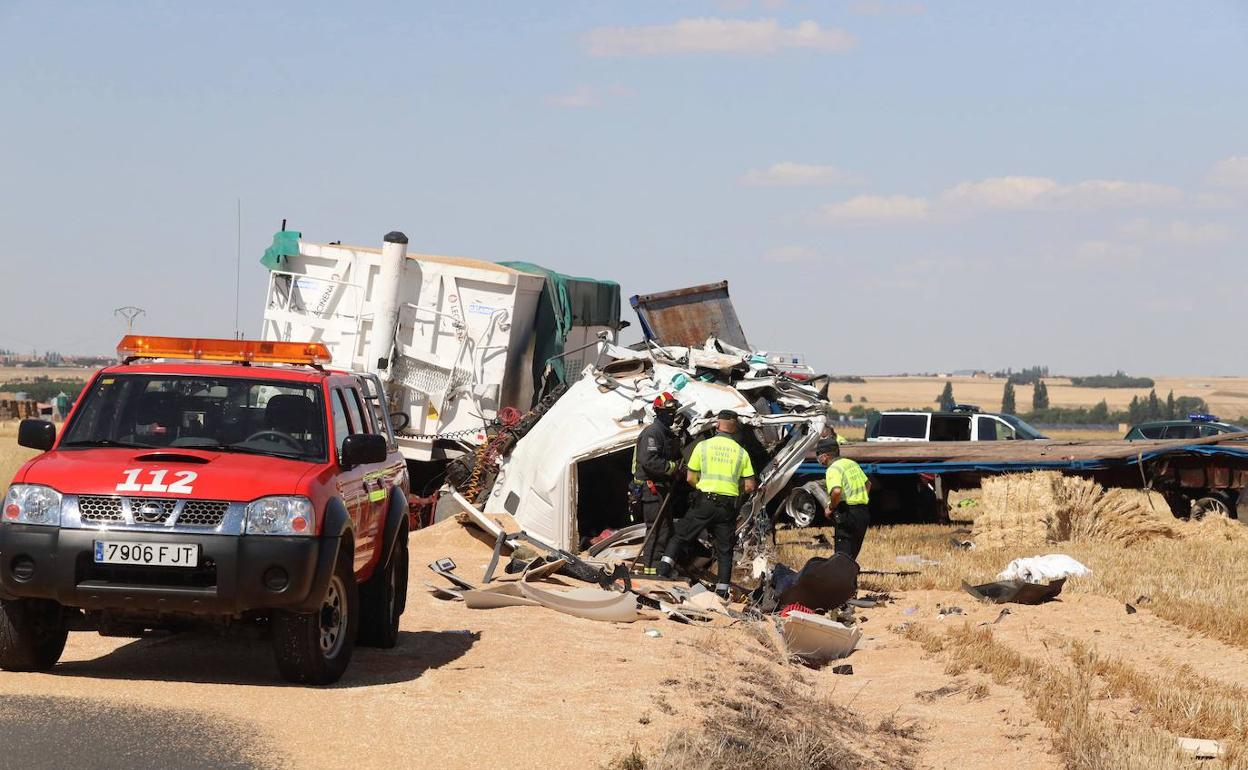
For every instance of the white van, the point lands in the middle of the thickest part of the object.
(964, 423)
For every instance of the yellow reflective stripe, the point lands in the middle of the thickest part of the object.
(722, 461)
(377, 495)
(848, 475)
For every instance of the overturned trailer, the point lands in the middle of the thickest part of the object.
(459, 344)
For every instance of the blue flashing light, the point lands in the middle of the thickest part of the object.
(1202, 417)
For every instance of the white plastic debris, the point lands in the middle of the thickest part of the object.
(653, 633)
(816, 639)
(1201, 748)
(1044, 569)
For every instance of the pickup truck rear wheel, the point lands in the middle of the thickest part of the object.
(385, 597)
(32, 634)
(315, 647)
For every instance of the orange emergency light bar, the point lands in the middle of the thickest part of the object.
(243, 351)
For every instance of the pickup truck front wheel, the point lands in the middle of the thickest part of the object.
(315, 648)
(32, 634)
(384, 597)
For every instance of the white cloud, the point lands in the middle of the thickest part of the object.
(1178, 232)
(1030, 193)
(736, 6)
(1107, 251)
(711, 35)
(790, 174)
(1112, 193)
(1230, 172)
(1007, 192)
(579, 97)
(876, 209)
(790, 254)
(583, 97)
(882, 8)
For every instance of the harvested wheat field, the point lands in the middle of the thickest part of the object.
(1226, 396)
(1152, 646)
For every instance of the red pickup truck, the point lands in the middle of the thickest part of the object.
(210, 482)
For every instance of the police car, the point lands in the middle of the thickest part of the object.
(1197, 425)
(210, 482)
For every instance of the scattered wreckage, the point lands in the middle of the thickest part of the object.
(563, 479)
(549, 491)
(811, 609)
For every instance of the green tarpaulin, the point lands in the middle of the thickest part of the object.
(566, 301)
(285, 244)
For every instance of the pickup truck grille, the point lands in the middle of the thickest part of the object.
(99, 509)
(203, 513)
(151, 511)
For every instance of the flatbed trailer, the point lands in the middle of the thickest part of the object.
(914, 478)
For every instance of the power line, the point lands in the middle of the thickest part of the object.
(129, 312)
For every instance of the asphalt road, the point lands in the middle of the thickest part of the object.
(59, 732)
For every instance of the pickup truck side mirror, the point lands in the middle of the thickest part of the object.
(362, 449)
(36, 434)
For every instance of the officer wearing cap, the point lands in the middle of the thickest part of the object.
(719, 469)
(656, 459)
(848, 495)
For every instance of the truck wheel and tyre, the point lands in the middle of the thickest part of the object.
(32, 634)
(1213, 504)
(315, 647)
(384, 597)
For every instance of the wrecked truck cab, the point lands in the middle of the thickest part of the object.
(566, 480)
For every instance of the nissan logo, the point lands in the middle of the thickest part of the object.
(150, 513)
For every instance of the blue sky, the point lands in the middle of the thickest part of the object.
(887, 185)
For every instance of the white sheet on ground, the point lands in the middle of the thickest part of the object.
(1043, 569)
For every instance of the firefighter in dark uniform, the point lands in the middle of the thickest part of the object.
(656, 460)
(719, 469)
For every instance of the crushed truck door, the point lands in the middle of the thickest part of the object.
(688, 317)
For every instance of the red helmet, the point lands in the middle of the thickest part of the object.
(666, 400)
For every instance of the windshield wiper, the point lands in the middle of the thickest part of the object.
(243, 450)
(106, 442)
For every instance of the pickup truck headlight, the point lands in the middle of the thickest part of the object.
(280, 515)
(31, 504)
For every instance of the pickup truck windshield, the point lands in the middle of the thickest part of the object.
(269, 417)
(1023, 429)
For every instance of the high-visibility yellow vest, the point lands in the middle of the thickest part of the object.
(847, 474)
(720, 463)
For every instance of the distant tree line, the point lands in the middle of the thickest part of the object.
(847, 378)
(1118, 379)
(1029, 376)
(43, 388)
(1140, 409)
